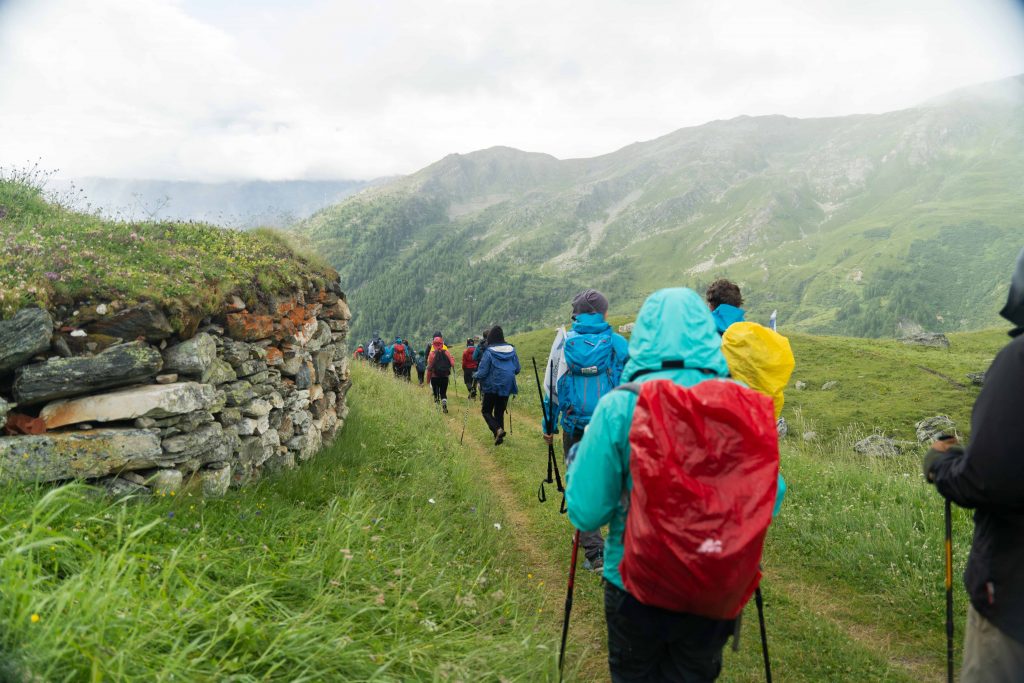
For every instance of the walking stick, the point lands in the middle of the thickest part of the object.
(949, 591)
(568, 601)
(465, 417)
(552, 461)
(510, 415)
(764, 634)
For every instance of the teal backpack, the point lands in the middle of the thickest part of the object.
(590, 374)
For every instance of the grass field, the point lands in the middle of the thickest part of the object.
(399, 554)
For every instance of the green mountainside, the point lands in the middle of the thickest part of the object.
(846, 225)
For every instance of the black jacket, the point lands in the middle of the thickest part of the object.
(989, 477)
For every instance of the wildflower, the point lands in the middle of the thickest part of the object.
(497, 526)
(431, 501)
(429, 624)
(34, 618)
(170, 515)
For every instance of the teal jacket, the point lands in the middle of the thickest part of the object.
(673, 324)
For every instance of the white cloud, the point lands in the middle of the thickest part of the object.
(203, 89)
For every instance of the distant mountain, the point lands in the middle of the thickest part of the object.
(846, 225)
(240, 204)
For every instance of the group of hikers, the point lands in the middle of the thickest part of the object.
(489, 366)
(670, 442)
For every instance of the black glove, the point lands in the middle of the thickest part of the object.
(932, 457)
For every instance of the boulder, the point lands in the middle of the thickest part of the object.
(215, 481)
(191, 357)
(164, 481)
(829, 385)
(145, 321)
(5, 408)
(976, 378)
(245, 326)
(219, 372)
(157, 401)
(64, 377)
(79, 455)
(122, 487)
(194, 444)
(810, 436)
(933, 339)
(930, 428)
(877, 445)
(800, 385)
(627, 328)
(306, 445)
(23, 336)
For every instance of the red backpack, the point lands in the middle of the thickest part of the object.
(705, 464)
(399, 357)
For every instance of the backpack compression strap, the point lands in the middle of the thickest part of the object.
(669, 365)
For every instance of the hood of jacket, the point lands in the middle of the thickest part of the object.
(726, 315)
(590, 323)
(674, 325)
(502, 351)
(1014, 308)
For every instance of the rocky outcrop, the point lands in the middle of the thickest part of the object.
(253, 391)
(26, 334)
(931, 428)
(65, 377)
(933, 339)
(877, 445)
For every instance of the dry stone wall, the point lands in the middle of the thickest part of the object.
(116, 396)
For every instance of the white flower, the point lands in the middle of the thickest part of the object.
(497, 525)
(431, 501)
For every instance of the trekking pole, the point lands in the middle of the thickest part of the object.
(764, 634)
(510, 415)
(541, 495)
(465, 417)
(949, 591)
(551, 447)
(568, 601)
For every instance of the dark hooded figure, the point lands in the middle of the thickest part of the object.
(988, 477)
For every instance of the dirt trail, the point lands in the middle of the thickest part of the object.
(586, 635)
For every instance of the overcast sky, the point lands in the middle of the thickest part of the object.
(208, 90)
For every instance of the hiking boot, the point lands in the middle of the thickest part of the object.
(499, 436)
(595, 565)
(444, 406)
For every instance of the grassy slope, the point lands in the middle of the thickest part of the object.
(853, 563)
(340, 570)
(50, 255)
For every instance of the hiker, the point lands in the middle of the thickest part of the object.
(385, 357)
(410, 360)
(725, 301)
(988, 477)
(594, 356)
(675, 339)
(469, 366)
(399, 354)
(360, 353)
(439, 368)
(376, 349)
(421, 364)
(499, 366)
(481, 346)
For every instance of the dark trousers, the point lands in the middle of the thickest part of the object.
(592, 541)
(440, 387)
(467, 376)
(420, 373)
(652, 645)
(493, 410)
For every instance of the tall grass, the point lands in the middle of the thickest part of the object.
(379, 560)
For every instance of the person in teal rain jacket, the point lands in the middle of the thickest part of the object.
(647, 643)
(725, 301)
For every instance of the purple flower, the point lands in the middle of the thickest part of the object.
(50, 275)
(170, 515)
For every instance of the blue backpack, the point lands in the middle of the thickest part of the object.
(590, 364)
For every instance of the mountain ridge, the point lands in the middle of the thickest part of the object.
(845, 224)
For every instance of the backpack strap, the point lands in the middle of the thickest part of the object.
(671, 365)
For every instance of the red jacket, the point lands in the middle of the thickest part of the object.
(467, 359)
